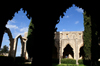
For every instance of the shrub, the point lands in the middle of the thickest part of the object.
(80, 61)
(68, 61)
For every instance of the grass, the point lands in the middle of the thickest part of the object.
(54, 64)
(5, 60)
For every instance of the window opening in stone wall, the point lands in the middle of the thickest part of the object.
(66, 56)
(80, 35)
(68, 51)
(81, 54)
(67, 35)
(73, 20)
(18, 26)
(18, 48)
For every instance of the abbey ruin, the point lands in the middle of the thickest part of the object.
(68, 43)
(13, 44)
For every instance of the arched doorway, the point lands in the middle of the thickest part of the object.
(81, 54)
(68, 52)
(8, 32)
(22, 45)
(18, 48)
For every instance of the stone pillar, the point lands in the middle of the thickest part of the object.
(26, 55)
(74, 54)
(80, 57)
(25, 51)
(60, 51)
(77, 55)
(15, 47)
(11, 53)
(22, 50)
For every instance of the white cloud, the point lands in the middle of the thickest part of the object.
(11, 26)
(18, 33)
(66, 16)
(12, 21)
(76, 22)
(22, 31)
(63, 29)
(79, 10)
(25, 29)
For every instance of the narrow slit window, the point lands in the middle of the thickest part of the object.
(80, 35)
(67, 35)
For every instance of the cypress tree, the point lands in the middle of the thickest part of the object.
(90, 37)
(87, 37)
(29, 43)
(30, 30)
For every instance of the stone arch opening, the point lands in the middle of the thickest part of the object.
(22, 45)
(81, 54)
(8, 32)
(62, 9)
(22, 14)
(18, 48)
(68, 51)
(5, 42)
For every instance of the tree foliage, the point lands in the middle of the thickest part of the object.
(4, 49)
(29, 43)
(87, 36)
(30, 30)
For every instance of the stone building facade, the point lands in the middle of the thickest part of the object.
(14, 42)
(69, 43)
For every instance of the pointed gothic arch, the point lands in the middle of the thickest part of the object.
(69, 51)
(22, 45)
(11, 40)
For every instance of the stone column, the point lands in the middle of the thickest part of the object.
(24, 48)
(77, 55)
(15, 47)
(80, 57)
(60, 51)
(11, 48)
(22, 51)
(26, 55)
(74, 53)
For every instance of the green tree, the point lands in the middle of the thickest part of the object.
(29, 43)
(87, 36)
(4, 49)
(30, 30)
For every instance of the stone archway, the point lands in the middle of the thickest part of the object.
(81, 51)
(81, 54)
(68, 50)
(22, 45)
(11, 41)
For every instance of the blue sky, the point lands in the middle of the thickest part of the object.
(72, 21)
